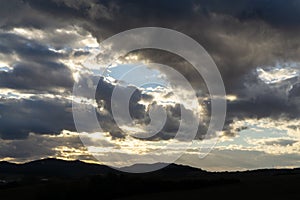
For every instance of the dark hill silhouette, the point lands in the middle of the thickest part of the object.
(59, 179)
(76, 168)
(57, 167)
(54, 167)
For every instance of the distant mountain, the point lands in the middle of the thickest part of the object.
(56, 167)
(163, 168)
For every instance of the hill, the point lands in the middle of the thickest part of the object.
(59, 179)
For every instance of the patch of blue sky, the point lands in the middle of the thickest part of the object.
(253, 132)
(138, 75)
(5, 69)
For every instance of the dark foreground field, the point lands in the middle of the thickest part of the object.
(57, 179)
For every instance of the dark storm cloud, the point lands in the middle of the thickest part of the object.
(295, 91)
(175, 123)
(259, 100)
(236, 45)
(261, 107)
(105, 90)
(25, 48)
(38, 146)
(275, 12)
(41, 116)
(80, 53)
(37, 14)
(44, 77)
(38, 68)
(239, 35)
(103, 96)
(138, 111)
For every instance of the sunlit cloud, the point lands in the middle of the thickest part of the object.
(43, 53)
(278, 73)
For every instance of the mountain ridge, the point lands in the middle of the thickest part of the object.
(51, 178)
(77, 168)
(53, 165)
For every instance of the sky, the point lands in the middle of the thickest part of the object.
(254, 43)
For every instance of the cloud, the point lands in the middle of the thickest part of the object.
(233, 160)
(273, 137)
(43, 43)
(43, 60)
(278, 142)
(41, 116)
(279, 14)
(66, 145)
(46, 76)
(239, 38)
(34, 65)
(238, 44)
(140, 112)
(259, 99)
